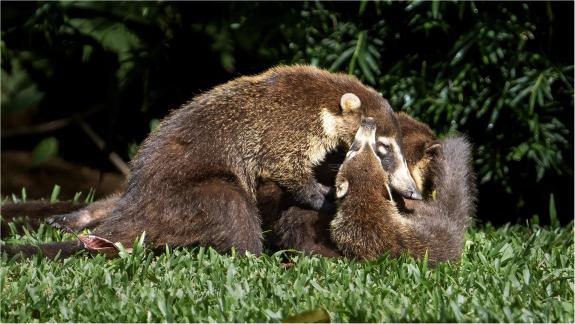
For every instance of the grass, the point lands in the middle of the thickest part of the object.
(510, 274)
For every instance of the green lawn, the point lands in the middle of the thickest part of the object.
(511, 274)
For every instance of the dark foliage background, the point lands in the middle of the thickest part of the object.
(502, 73)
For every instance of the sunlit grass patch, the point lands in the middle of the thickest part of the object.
(511, 274)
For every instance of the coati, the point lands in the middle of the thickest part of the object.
(194, 179)
(369, 222)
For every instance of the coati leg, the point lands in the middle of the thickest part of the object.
(293, 227)
(216, 213)
(312, 193)
(271, 200)
(305, 230)
(87, 217)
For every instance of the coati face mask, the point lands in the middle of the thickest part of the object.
(386, 147)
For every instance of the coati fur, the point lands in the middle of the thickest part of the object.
(194, 179)
(369, 222)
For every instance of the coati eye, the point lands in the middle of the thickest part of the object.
(383, 149)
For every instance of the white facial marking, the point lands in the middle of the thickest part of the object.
(384, 144)
(384, 140)
(319, 147)
(389, 193)
(341, 189)
(350, 154)
(363, 136)
(402, 168)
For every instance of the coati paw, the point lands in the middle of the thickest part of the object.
(319, 197)
(75, 221)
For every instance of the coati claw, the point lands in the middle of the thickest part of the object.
(75, 221)
(53, 221)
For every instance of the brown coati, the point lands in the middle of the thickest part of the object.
(193, 181)
(368, 223)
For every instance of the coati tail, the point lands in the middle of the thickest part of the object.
(49, 250)
(440, 222)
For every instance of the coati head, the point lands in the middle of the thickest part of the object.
(421, 148)
(362, 167)
(387, 146)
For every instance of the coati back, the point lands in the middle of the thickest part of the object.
(276, 125)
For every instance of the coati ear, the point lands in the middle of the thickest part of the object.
(433, 150)
(349, 102)
(341, 189)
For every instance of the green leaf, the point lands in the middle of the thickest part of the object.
(154, 124)
(435, 9)
(534, 91)
(342, 58)
(55, 194)
(19, 92)
(362, 6)
(371, 62)
(365, 69)
(357, 50)
(24, 195)
(90, 196)
(553, 212)
(44, 151)
(77, 196)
